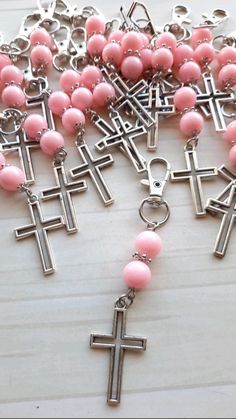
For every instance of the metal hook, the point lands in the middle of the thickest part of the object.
(180, 15)
(156, 192)
(64, 11)
(213, 19)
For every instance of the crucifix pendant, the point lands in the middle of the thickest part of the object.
(93, 168)
(23, 147)
(128, 97)
(40, 99)
(228, 211)
(39, 229)
(121, 135)
(64, 190)
(214, 99)
(117, 343)
(152, 102)
(195, 175)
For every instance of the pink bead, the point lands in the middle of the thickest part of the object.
(11, 75)
(189, 72)
(4, 61)
(145, 40)
(132, 68)
(113, 54)
(103, 94)
(132, 41)
(162, 59)
(41, 56)
(82, 99)
(201, 35)
(167, 39)
(232, 155)
(69, 81)
(95, 24)
(96, 45)
(11, 178)
(72, 120)
(204, 53)
(58, 103)
(41, 37)
(2, 161)
(137, 275)
(185, 98)
(182, 54)
(51, 142)
(230, 133)
(13, 97)
(91, 76)
(148, 243)
(146, 58)
(191, 124)
(227, 76)
(227, 55)
(116, 36)
(34, 126)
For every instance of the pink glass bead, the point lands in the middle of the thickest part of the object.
(4, 61)
(116, 36)
(58, 103)
(90, 76)
(95, 24)
(69, 81)
(41, 37)
(185, 98)
(132, 41)
(230, 133)
(82, 99)
(34, 126)
(132, 68)
(103, 94)
(189, 72)
(148, 243)
(201, 35)
(96, 45)
(11, 178)
(51, 142)
(137, 275)
(204, 53)
(13, 97)
(182, 54)
(232, 155)
(227, 76)
(72, 120)
(162, 59)
(191, 124)
(227, 56)
(113, 54)
(2, 161)
(146, 58)
(11, 75)
(41, 56)
(167, 39)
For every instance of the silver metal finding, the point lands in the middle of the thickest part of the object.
(180, 15)
(213, 19)
(31, 196)
(231, 106)
(126, 300)
(155, 198)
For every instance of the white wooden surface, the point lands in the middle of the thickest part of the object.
(188, 313)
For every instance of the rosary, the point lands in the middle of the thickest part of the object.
(121, 76)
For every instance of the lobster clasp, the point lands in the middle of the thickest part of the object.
(213, 19)
(157, 186)
(180, 15)
(64, 11)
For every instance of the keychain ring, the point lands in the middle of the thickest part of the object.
(153, 202)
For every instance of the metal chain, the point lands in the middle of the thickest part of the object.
(126, 300)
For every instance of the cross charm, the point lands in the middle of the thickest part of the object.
(23, 147)
(231, 178)
(92, 167)
(41, 98)
(153, 103)
(214, 98)
(39, 229)
(63, 190)
(228, 210)
(117, 342)
(122, 134)
(194, 174)
(128, 97)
